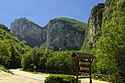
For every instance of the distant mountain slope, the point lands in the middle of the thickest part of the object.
(29, 32)
(58, 34)
(65, 34)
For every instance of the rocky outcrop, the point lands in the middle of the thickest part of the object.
(29, 32)
(58, 34)
(65, 34)
(94, 27)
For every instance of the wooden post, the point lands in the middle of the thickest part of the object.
(76, 73)
(77, 69)
(90, 73)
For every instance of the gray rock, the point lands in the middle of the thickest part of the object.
(29, 32)
(94, 27)
(58, 34)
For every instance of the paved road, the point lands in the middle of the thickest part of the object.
(39, 77)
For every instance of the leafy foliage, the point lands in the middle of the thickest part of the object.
(54, 62)
(34, 60)
(60, 62)
(110, 46)
(11, 49)
(60, 79)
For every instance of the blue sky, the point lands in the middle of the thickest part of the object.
(41, 11)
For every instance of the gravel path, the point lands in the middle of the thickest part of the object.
(21, 77)
(39, 77)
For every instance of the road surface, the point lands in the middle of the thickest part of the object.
(21, 77)
(26, 77)
(38, 77)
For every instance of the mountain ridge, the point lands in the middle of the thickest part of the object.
(24, 29)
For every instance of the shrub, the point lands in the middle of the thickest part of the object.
(60, 79)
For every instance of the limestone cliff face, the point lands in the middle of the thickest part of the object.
(65, 34)
(29, 32)
(94, 27)
(58, 34)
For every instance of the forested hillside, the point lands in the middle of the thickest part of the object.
(109, 47)
(11, 49)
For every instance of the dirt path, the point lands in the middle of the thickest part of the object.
(39, 77)
(21, 77)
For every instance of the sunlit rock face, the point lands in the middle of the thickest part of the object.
(29, 32)
(58, 34)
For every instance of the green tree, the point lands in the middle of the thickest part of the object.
(4, 53)
(111, 45)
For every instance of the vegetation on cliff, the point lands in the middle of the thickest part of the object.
(65, 34)
(110, 45)
(74, 23)
(94, 27)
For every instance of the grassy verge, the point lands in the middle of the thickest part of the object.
(4, 69)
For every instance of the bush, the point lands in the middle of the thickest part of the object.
(60, 79)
